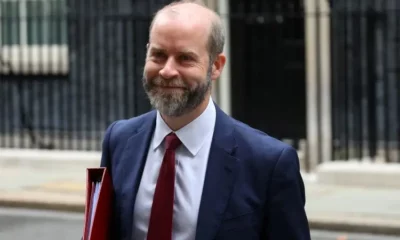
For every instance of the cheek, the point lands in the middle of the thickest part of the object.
(195, 79)
(151, 70)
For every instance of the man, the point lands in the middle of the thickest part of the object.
(187, 170)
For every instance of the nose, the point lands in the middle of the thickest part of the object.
(169, 70)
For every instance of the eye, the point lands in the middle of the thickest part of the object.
(158, 54)
(185, 58)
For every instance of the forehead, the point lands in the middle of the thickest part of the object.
(180, 32)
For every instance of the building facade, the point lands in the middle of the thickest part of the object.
(320, 71)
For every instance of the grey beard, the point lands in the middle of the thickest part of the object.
(177, 105)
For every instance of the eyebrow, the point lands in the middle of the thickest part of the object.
(156, 49)
(184, 51)
(188, 52)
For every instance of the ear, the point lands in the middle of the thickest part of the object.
(218, 66)
(147, 49)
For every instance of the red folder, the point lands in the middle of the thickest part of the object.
(98, 207)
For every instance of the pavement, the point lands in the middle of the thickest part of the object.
(60, 185)
(19, 223)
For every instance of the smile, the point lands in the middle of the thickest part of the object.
(171, 87)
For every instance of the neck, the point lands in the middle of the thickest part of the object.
(176, 123)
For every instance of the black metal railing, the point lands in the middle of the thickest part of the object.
(71, 67)
(365, 80)
(75, 69)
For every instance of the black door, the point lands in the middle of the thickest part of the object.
(268, 70)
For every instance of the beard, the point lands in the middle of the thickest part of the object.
(179, 102)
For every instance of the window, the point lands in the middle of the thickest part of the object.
(33, 22)
(33, 35)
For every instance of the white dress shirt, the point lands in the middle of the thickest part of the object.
(191, 163)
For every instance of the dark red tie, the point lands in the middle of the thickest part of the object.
(160, 225)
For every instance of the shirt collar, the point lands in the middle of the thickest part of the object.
(193, 134)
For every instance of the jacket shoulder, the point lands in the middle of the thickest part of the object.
(259, 142)
(124, 128)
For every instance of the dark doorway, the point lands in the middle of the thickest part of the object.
(268, 66)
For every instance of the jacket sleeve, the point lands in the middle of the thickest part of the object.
(106, 150)
(286, 215)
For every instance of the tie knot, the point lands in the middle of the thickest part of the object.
(172, 141)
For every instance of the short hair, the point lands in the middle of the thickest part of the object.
(216, 40)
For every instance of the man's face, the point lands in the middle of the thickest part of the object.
(177, 72)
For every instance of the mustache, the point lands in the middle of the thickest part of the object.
(161, 82)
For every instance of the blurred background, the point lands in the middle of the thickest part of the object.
(322, 75)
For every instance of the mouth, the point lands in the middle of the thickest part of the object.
(171, 87)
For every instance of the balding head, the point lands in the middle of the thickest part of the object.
(184, 56)
(192, 11)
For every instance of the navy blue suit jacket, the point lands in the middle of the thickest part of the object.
(252, 190)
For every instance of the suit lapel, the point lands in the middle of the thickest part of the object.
(132, 165)
(219, 180)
